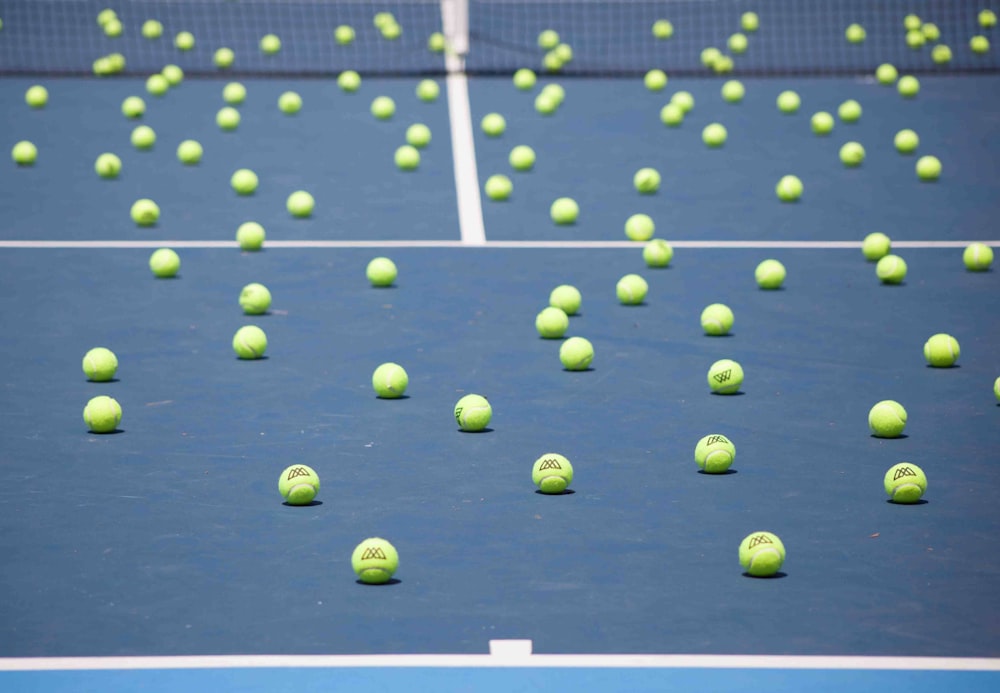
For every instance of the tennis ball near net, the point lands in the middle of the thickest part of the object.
(250, 235)
(375, 561)
(390, 381)
(977, 257)
(383, 107)
(234, 93)
(717, 319)
(164, 263)
(876, 246)
(567, 298)
(228, 119)
(655, 80)
(473, 413)
(298, 484)
(855, 33)
(733, 91)
(428, 90)
(152, 29)
(100, 364)
(270, 44)
(224, 58)
(250, 342)
(381, 272)
(108, 165)
(941, 351)
(102, 414)
(905, 483)
(173, 74)
(714, 454)
(762, 554)
(576, 354)
(349, 81)
(157, 85)
(525, 79)
(887, 419)
(344, 34)
(255, 299)
(36, 96)
(788, 102)
(552, 473)
(725, 377)
(290, 103)
(184, 41)
(891, 269)
(551, 323)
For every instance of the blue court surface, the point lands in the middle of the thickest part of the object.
(161, 557)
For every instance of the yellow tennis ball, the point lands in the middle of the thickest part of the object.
(390, 381)
(876, 246)
(552, 473)
(770, 274)
(714, 454)
(567, 298)
(762, 554)
(891, 269)
(631, 290)
(639, 227)
(941, 350)
(381, 272)
(887, 419)
(657, 253)
(100, 364)
(102, 414)
(375, 561)
(250, 342)
(473, 413)
(164, 263)
(255, 299)
(300, 204)
(551, 323)
(298, 484)
(576, 354)
(725, 377)
(977, 257)
(905, 482)
(250, 235)
(717, 319)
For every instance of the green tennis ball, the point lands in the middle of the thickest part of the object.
(143, 137)
(717, 319)
(164, 263)
(493, 124)
(173, 74)
(145, 212)
(546, 104)
(418, 135)
(672, 115)
(996, 388)
(100, 364)
(663, 29)
(548, 39)
(887, 419)
(738, 43)
(224, 58)
(849, 111)
(709, 56)
(821, 123)
(979, 45)
(564, 52)
(788, 102)
(855, 33)
(567, 298)
(113, 28)
(102, 414)
(714, 454)
(725, 377)
(905, 483)
(552, 473)
(157, 85)
(852, 154)
(908, 86)
(383, 19)
(250, 235)
(498, 187)
(987, 19)
(436, 42)
(270, 44)
(133, 107)
(108, 165)
(931, 32)
(250, 342)
(473, 413)
(657, 253)
(189, 152)
(383, 107)
(290, 103)
(391, 31)
(733, 91)
(915, 39)
(655, 80)
(228, 119)
(152, 29)
(428, 90)
(300, 204)
(525, 79)
(750, 21)
(349, 81)
(375, 561)
(298, 484)
(556, 91)
(770, 274)
(36, 96)
(639, 227)
(714, 135)
(941, 351)
(762, 554)
(928, 168)
(886, 74)
(911, 22)
(646, 180)
(906, 141)
(564, 211)
(876, 246)
(522, 158)
(977, 257)
(244, 181)
(184, 41)
(631, 290)
(389, 381)
(723, 65)
(941, 54)
(344, 34)
(234, 93)
(789, 189)
(381, 272)
(576, 354)
(105, 16)
(891, 269)
(255, 299)
(551, 323)
(407, 157)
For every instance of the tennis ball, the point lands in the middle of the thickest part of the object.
(849, 111)
(383, 19)
(100, 364)
(164, 263)
(737, 43)
(298, 484)
(928, 168)
(375, 561)
(250, 235)
(564, 211)
(349, 81)
(189, 152)
(788, 102)
(493, 124)
(525, 79)
(391, 31)
(930, 31)
(822, 123)
(270, 44)
(383, 107)
(905, 483)
(886, 73)
(255, 299)
(407, 157)
(723, 65)
(906, 141)
(714, 454)
(646, 180)
(657, 253)
(428, 90)
(300, 204)
(113, 28)
(250, 342)
(116, 63)
(733, 91)
(639, 227)
(855, 33)
(717, 319)
(552, 473)
(876, 246)
(152, 29)
(223, 58)
(344, 34)
(891, 269)
(567, 298)
(556, 91)
(750, 21)
(381, 272)
(228, 119)
(173, 74)
(908, 86)
(145, 212)
(244, 181)
(105, 16)
(709, 56)
(672, 115)
(108, 165)
(546, 103)
(564, 52)
(436, 42)
(852, 154)
(548, 39)
(133, 107)
(887, 419)
(576, 354)
(762, 554)
(789, 189)
(157, 85)
(498, 187)
(911, 22)
(915, 39)
(979, 45)
(551, 323)
(143, 137)
(655, 80)
(770, 274)
(473, 413)
(389, 381)
(987, 19)
(102, 414)
(522, 158)
(996, 388)
(418, 135)
(631, 290)
(714, 135)
(103, 67)
(941, 351)
(725, 377)
(663, 29)
(977, 257)
(941, 54)
(36, 96)
(234, 93)
(184, 41)
(290, 103)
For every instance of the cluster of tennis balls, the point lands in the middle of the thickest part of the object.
(557, 53)
(714, 59)
(917, 34)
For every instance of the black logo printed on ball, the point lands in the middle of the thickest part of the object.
(550, 463)
(723, 376)
(901, 472)
(296, 472)
(712, 440)
(760, 539)
(373, 553)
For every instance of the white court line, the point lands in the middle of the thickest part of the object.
(492, 661)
